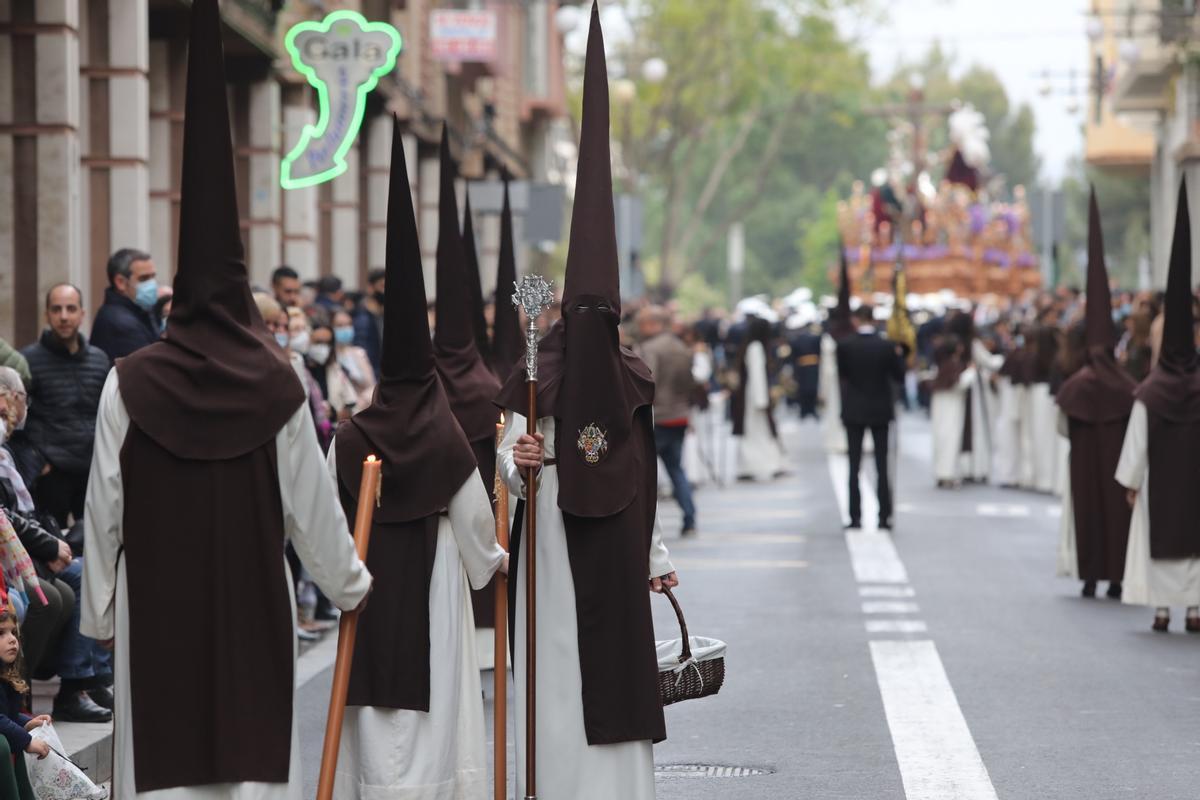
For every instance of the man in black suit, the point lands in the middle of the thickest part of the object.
(869, 366)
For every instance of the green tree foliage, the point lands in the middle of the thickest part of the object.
(766, 118)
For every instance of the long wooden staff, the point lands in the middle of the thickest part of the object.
(500, 673)
(347, 630)
(534, 295)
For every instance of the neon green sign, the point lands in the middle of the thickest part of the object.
(343, 56)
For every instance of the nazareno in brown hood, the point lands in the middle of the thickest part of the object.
(1100, 391)
(409, 424)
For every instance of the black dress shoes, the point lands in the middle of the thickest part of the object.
(78, 707)
(102, 696)
(1114, 590)
(1089, 589)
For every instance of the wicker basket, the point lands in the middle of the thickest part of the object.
(689, 667)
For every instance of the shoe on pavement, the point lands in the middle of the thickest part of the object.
(78, 707)
(854, 525)
(1192, 624)
(1160, 624)
(307, 636)
(688, 532)
(1114, 590)
(102, 696)
(1089, 589)
(885, 524)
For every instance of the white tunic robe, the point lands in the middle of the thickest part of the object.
(947, 410)
(1006, 434)
(313, 522)
(1149, 581)
(760, 456)
(1046, 457)
(568, 767)
(833, 433)
(978, 463)
(1068, 554)
(1026, 468)
(396, 754)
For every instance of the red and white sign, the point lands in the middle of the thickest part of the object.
(463, 35)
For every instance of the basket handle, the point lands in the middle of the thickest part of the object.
(687, 643)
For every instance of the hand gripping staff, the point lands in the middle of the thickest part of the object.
(534, 295)
(368, 494)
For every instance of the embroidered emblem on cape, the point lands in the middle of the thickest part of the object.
(592, 443)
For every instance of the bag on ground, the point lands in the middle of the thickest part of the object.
(56, 777)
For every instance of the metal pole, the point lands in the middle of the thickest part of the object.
(534, 294)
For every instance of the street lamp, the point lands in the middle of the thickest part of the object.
(654, 70)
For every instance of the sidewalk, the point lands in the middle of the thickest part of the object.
(90, 744)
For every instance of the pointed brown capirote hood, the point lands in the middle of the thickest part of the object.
(1101, 391)
(1100, 330)
(602, 387)
(1178, 352)
(1172, 389)
(508, 343)
(210, 269)
(217, 386)
(453, 328)
(469, 383)
(592, 254)
(474, 282)
(407, 351)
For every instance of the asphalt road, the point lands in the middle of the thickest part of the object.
(954, 666)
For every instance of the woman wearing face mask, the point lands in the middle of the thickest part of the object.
(353, 359)
(299, 343)
(335, 384)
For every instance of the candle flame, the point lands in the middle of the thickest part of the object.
(371, 459)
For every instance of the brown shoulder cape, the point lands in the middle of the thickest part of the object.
(426, 459)
(391, 651)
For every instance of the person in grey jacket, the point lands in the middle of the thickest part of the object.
(54, 452)
(670, 362)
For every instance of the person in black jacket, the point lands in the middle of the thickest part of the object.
(126, 321)
(54, 452)
(868, 366)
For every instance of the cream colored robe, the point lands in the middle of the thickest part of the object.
(568, 767)
(760, 456)
(389, 754)
(1149, 581)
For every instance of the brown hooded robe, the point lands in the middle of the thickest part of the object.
(470, 384)
(1171, 395)
(426, 459)
(586, 378)
(1097, 401)
(199, 459)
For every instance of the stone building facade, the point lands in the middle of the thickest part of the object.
(91, 123)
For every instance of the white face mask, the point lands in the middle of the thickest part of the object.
(299, 342)
(318, 353)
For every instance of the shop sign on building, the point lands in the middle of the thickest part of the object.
(343, 56)
(463, 35)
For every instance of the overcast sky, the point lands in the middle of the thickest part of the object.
(1018, 39)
